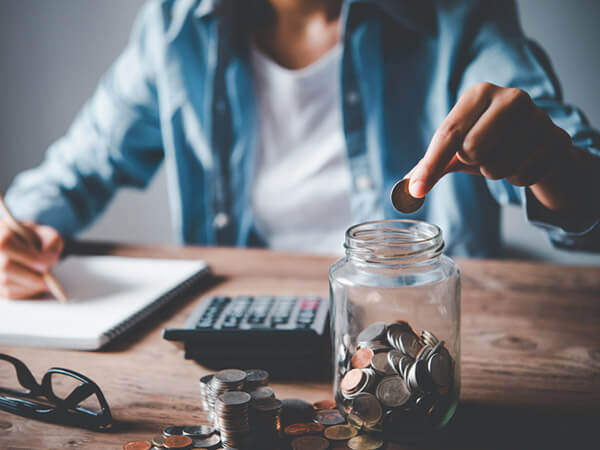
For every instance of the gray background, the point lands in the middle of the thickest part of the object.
(53, 53)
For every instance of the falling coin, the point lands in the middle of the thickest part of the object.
(402, 200)
(340, 432)
(365, 442)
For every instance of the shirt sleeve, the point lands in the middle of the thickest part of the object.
(499, 53)
(114, 141)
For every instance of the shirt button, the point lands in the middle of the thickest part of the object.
(363, 183)
(221, 220)
(352, 97)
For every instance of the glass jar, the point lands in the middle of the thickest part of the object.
(395, 321)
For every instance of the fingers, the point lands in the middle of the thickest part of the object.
(448, 139)
(22, 265)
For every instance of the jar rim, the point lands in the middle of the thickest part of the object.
(394, 241)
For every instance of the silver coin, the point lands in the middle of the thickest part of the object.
(440, 368)
(173, 431)
(381, 365)
(429, 337)
(377, 347)
(207, 442)
(257, 377)
(373, 332)
(394, 357)
(198, 431)
(409, 344)
(235, 398)
(392, 392)
(229, 376)
(262, 393)
(367, 408)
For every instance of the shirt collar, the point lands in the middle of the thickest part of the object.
(418, 15)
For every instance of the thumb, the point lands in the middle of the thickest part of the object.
(51, 241)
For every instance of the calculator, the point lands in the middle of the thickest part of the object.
(287, 335)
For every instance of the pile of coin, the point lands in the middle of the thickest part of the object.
(223, 381)
(395, 379)
(265, 420)
(231, 410)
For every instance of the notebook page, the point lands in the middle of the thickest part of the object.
(103, 291)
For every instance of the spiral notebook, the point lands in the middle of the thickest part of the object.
(107, 296)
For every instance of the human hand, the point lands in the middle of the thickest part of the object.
(497, 132)
(21, 266)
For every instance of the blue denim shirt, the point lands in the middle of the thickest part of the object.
(181, 94)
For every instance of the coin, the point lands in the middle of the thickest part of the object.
(262, 393)
(178, 442)
(409, 344)
(381, 365)
(365, 442)
(230, 376)
(340, 432)
(394, 357)
(137, 445)
(172, 431)
(440, 369)
(324, 404)
(372, 332)
(329, 417)
(300, 429)
(352, 381)
(362, 358)
(402, 200)
(256, 378)
(207, 442)
(158, 441)
(310, 443)
(233, 398)
(367, 408)
(392, 392)
(268, 404)
(198, 431)
(294, 410)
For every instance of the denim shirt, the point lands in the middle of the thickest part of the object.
(181, 94)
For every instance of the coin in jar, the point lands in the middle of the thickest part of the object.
(440, 369)
(301, 429)
(380, 363)
(137, 445)
(340, 432)
(178, 442)
(365, 442)
(367, 408)
(362, 358)
(352, 380)
(375, 331)
(329, 417)
(392, 392)
(310, 443)
(324, 404)
(402, 200)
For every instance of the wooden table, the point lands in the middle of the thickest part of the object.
(530, 355)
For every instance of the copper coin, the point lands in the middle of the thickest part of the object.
(178, 442)
(137, 445)
(301, 429)
(329, 417)
(352, 380)
(324, 404)
(310, 443)
(362, 358)
(340, 432)
(402, 200)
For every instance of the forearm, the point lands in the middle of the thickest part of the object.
(572, 187)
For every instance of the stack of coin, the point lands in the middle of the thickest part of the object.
(224, 381)
(266, 421)
(231, 410)
(204, 383)
(256, 378)
(396, 377)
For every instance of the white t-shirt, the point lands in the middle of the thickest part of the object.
(301, 192)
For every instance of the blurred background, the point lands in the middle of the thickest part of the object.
(53, 53)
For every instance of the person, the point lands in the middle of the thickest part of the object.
(282, 122)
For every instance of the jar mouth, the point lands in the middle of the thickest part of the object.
(395, 241)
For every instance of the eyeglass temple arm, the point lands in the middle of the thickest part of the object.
(24, 375)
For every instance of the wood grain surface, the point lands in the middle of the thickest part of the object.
(530, 355)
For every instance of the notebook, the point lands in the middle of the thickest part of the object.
(107, 296)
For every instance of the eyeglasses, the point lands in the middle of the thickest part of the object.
(62, 397)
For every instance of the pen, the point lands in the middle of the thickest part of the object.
(27, 235)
